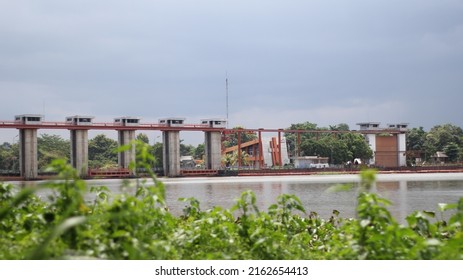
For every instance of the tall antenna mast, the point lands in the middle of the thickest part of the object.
(226, 92)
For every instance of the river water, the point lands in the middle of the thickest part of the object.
(407, 192)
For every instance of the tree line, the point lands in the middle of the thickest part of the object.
(447, 138)
(339, 147)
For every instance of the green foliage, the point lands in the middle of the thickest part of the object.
(143, 138)
(445, 137)
(234, 159)
(416, 138)
(453, 151)
(102, 152)
(186, 150)
(51, 147)
(69, 225)
(200, 152)
(232, 138)
(9, 157)
(158, 155)
(340, 147)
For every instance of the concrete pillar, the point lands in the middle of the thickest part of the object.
(402, 148)
(126, 137)
(28, 153)
(79, 151)
(371, 139)
(213, 149)
(171, 153)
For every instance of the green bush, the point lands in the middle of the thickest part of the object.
(66, 226)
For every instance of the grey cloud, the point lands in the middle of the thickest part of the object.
(158, 58)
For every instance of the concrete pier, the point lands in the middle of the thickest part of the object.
(28, 163)
(79, 143)
(79, 151)
(171, 146)
(171, 153)
(213, 150)
(213, 143)
(28, 153)
(126, 137)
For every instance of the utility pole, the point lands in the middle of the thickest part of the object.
(226, 96)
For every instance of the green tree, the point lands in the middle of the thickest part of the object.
(199, 151)
(453, 151)
(9, 157)
(232, 138)
(357, 146)
(339, 152)
(415, 144)
(186, 150)
(143, 137)
(52, 147)
(340, 127)
(234, 159)
(440, 136)
(339, 147)
(416, 138)
(157, 153)
(304, 126)
(102, 152)
(313, 147)
(292, 138)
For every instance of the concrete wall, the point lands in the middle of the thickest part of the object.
(79, 151)
(126, 137)
(28, 165)
(171, 153)
(213, 150)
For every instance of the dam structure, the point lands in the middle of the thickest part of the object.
(388, 143)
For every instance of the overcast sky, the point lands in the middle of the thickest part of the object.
(323, 61)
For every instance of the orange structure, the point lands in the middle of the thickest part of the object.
(261, 153)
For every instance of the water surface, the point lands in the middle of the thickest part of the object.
(407, 192)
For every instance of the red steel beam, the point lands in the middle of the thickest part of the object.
(185, 127)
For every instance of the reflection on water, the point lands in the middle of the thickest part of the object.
(407, 192)
(406, 196)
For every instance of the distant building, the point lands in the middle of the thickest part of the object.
(311, 162)
(215, 123)
(369, 125)
(399, 126)
(187, 162)
(80, 120)
(172, 121)
(127, 121)
(388, 144)
(440, 157)
(29, 119)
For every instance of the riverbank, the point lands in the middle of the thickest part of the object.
(416, 169)
(274, 172)
(316, 178)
